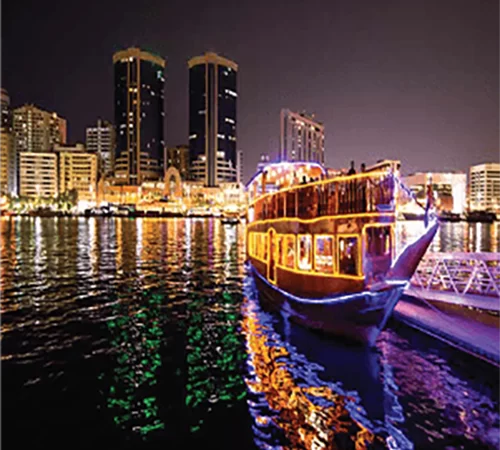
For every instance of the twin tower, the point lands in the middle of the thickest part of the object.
(139, 118)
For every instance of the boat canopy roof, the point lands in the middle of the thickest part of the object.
(285, 174)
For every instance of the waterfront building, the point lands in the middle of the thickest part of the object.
(38, 174)
(484, 187)
(36, 130)
(7, 162)
(212, 119)
(5, 111)
(302, 138)
(8, 184)
(449, 189)
(139, 116)
(77, 171)
(178, 157)
(100, 139)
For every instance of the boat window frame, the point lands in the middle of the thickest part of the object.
(358, 264)
(315, 252)
(392, 239)
(311, 251)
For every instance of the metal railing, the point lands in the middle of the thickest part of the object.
(459, 273)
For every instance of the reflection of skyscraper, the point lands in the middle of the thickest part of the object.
(139, 115)
(212, 119)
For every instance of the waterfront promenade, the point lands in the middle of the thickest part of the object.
(455, 298)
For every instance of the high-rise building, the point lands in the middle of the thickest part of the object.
(484, 187)
(100, 139)
(139, 116)
(5, 112)
(212, 119)
(7, 163)
(38, 174)
(36, 130)
(8, 184)
(302, 138)
(77, 170)
(178, 157)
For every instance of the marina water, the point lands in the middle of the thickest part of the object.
(149, 333)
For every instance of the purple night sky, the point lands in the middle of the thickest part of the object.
(412, 80)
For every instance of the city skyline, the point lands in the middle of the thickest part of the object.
(388, 82)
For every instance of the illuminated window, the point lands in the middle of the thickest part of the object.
(264, 246)
(348, 255)
(280, 250)
(378, 241)
(289, 254)
(305, 252)
(324, 254)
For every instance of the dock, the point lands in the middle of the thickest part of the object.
(455, 297)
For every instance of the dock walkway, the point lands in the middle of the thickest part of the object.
(470, 335)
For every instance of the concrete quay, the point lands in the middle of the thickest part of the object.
(473, 331)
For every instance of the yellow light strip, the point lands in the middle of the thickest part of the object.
(320, 274)
(317, 219)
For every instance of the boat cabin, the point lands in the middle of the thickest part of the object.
(303, 223)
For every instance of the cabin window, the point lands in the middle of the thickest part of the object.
(290, 252)
(348, 255)
(279, 248)
(265, 242)
(250, 244)
(305, 252)
(324, 254)
(378, 241)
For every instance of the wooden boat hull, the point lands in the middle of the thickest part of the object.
(359, 317)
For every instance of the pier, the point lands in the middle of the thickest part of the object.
(455, 297)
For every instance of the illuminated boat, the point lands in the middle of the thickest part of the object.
(323, 248)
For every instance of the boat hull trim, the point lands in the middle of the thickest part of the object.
(359, 316)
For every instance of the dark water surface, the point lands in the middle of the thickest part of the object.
(148, 333)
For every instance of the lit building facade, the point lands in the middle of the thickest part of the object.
(263, 161)
(449, 189)
(239, 166)
(5, 112)
(77, 170)
(178, 157)
(100, 140)
(139, 116)
(7, 163)
(36, 130)
(38, 174)
(484, 187)
(301, 138)
(212, 119)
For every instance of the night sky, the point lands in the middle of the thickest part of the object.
(412, 80)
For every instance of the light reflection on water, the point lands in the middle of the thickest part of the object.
(135, 333)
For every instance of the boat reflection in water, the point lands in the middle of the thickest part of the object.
(292, 401)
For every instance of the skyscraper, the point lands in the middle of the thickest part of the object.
(139, 116)
(301, 138)
(7, 154)
(5, 112)
(100, 140)
(212, 119)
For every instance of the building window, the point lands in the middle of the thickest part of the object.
(324, 254)
(305, 252)
(378, 241)
(348, 255)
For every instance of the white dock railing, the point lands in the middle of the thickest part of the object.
(459, 273)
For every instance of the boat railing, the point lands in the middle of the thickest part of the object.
(362, 193)
(459, 273)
